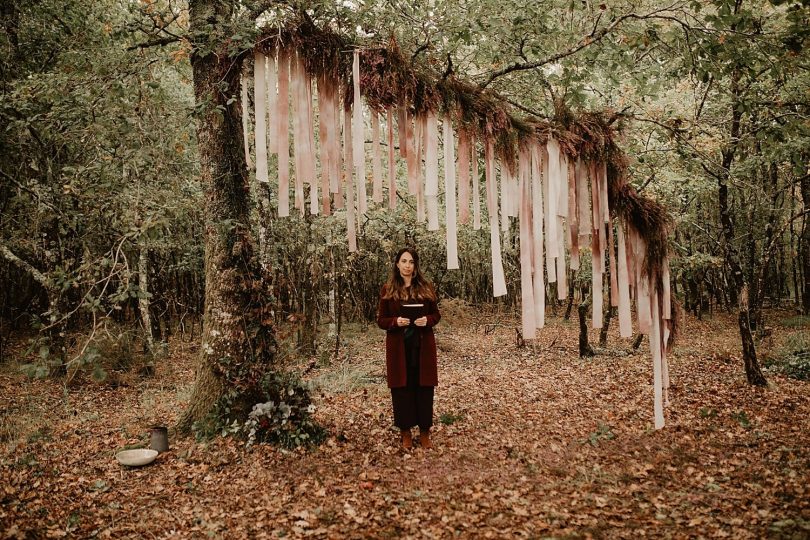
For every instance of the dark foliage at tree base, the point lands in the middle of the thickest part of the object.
(278, 412)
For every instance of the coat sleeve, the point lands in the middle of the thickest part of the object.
(386, 317)
(433, 315)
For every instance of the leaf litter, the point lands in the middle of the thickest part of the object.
(529, 442)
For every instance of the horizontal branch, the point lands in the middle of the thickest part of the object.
(594, 37)
(525, 109)
(26, 267)
(155, 43)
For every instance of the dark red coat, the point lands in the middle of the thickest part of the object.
(387, 314)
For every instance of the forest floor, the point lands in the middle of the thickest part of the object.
(529, 443)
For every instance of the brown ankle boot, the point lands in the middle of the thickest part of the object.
(424, 439)
(406, 439)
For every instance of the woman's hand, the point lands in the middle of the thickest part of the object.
(402, 321)
(421, 321)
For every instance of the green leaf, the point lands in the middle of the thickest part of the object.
(99, 374)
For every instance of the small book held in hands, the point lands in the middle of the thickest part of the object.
(412, 311)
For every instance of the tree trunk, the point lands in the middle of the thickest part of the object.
(308, 327)
(237, 341)
(792, 249)
(694, 297)
(761, 276)
(603, 333)
(739, 286)
(570, 303)
(143, 301)
(585, 348)
(804, 243)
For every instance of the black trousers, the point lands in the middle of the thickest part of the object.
(413, 404)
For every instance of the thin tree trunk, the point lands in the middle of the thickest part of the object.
(804, 245)
(740, 288)
(308, 326)
(603, 333)
(309, 296)
(570, 303)
(143, 302)
(751, 243)
(338, 312)
(781, 271)
(585, 348)
(765, 259)
(792, 249)
(332, 301)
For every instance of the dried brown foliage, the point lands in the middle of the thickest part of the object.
(529, 442)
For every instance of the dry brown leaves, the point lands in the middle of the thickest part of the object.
(535, 442)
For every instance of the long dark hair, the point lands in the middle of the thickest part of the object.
(420, 289)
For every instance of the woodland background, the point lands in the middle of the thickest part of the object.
(102, 216)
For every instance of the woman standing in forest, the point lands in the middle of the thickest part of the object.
(408, 312)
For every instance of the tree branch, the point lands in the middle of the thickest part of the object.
(26, 267)
(703, 101)
(449, 70)
(263, 6)
(30, 191)
(154, 43)
(594, 37)
(646, 183)
(525, 109)
(419, 49)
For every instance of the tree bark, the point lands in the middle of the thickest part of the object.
(308, 327)
(603, 333)
(143, 300)
(28, 268)
(237, 341)
(585, 348)
(804, 242)
(570, 303)
(58, 326)
(761, 276)
(797, 295)
(739, 285)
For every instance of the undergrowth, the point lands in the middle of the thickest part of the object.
(280, 413)
(792, 359)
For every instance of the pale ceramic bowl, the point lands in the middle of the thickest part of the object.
(136, 458)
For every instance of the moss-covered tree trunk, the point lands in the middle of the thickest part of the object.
(237, 339)
(585, 349)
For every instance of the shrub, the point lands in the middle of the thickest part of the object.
(280, 413)
(793, 358)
